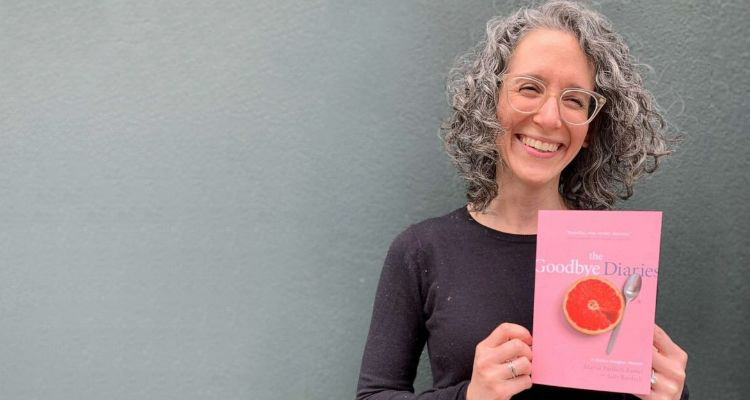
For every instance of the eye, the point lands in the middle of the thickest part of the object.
(575, 100)
(529, 89)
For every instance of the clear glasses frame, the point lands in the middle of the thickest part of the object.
(598, 98)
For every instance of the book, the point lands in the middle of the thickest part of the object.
(583, 262)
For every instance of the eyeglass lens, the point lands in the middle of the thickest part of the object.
(527, 95)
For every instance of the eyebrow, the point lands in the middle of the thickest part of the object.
(537, 76)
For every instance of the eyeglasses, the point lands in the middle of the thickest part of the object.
(527, 95)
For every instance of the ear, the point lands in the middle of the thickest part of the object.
(585, 141)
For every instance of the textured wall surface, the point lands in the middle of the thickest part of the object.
(196, 198)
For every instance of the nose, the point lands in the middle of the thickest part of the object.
(549, 115)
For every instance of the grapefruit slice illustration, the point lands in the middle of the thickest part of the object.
(593, 305)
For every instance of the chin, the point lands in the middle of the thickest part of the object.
(539, 180)
(539, 183)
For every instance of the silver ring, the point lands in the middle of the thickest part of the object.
(653, 377)
(512, 370)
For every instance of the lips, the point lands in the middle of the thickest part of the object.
(545, 147)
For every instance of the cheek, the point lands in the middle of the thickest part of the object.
(579, 136)
(506, 119)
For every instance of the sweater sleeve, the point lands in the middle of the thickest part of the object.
(397, 330)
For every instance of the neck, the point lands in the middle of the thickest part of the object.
(515, 209)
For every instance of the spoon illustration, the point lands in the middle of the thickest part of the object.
(630, 290)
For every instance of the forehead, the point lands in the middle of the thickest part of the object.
(553, 56)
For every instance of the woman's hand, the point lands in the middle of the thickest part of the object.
(669, 362)
(502, 364)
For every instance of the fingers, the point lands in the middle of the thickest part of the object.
(497, 358)
(664, 345)
(665, 386)
(521, 366)
(510, 350)
(496, 381)
(670, 374)
(669, 362)
(667, 366)
(519, 384)
(506, 331)
(502, 364)
(507, 342)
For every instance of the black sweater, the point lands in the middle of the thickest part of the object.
(449, 282)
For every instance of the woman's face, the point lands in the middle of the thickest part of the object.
(556, 59)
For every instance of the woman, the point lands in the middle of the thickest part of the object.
(549, 113)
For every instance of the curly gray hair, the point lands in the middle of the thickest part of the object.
(626, 138)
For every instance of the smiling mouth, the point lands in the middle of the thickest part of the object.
(539, 145)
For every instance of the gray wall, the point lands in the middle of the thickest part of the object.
(196, 198)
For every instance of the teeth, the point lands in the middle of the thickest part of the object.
(538, 144)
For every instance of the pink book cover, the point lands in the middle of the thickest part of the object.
(589, 265)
